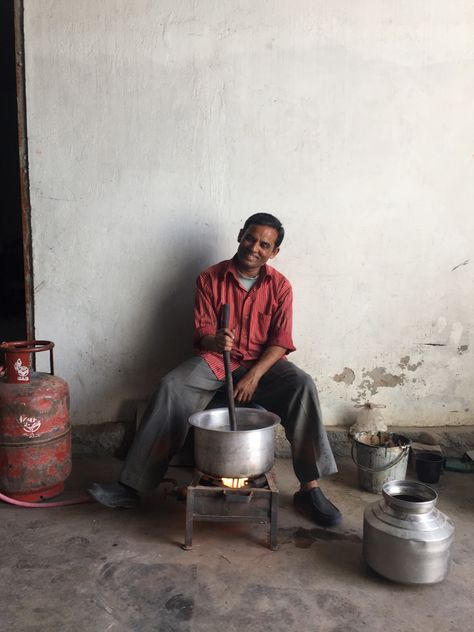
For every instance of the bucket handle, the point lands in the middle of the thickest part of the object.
(384, 467)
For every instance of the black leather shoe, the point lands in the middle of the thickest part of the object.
(317, 507)
(114, 495)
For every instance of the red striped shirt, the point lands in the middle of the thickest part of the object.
(261, 317)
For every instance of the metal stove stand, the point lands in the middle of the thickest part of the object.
(224, 504)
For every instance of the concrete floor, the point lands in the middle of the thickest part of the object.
(90, 568)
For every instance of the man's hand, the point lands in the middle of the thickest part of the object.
(246, 387)
(224, 340)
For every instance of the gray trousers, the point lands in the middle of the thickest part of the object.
(284, 390)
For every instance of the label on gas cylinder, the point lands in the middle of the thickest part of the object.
(22, 370)
(30, 425)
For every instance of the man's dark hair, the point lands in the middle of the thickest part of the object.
(265, 219)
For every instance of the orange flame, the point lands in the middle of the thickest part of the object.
(235, 483)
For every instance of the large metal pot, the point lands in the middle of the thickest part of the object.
(243, 453)
(407, 539)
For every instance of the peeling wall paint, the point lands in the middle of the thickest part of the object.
(155, 128)
(378, 378)
(347, 376)
(405, 364)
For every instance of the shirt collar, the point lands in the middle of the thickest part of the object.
(266, 271)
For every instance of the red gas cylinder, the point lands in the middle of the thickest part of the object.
(35, 434)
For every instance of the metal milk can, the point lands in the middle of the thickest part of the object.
(406, 538)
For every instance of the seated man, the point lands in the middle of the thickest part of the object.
(258, 338)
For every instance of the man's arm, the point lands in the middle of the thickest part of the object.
(246, 387)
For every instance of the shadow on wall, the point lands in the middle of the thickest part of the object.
(349, 417)
(164, 337)
(162, 333)
(167, 338)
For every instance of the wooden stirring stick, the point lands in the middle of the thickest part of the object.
(228, 373)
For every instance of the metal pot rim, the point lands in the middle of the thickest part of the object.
(364, 438)
(273, 420)
(392, 488)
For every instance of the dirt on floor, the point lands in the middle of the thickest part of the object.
(89, 568)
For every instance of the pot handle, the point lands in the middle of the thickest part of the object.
(244, 497)
(384, 467)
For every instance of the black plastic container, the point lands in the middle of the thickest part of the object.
(429, 466)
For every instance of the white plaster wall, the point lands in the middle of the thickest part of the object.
(157, 126)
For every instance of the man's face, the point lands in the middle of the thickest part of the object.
(256, 247)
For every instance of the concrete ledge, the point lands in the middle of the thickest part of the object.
(115, 438)
(112, 438)
(454, 440)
